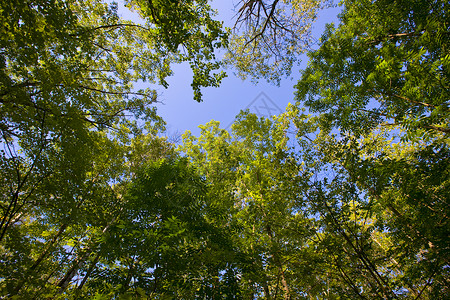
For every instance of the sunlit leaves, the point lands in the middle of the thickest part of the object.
(384, 64)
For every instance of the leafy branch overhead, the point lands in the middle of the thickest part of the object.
(386, 63)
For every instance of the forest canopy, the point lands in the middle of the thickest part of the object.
(344, 195)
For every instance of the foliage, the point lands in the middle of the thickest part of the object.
(391, 219)
(386, 63)
(161, 245)
(379, 80)
(257, 182)
(333, 217)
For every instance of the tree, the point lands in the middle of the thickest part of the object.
(122, 239)
(382, 210)
(268, 37)
(407, 187)
(60, 222)
(380, 80)
(161, 244)
(68, 71)
(257, 182)
(67, 74)
(69, 113)
(386, 63)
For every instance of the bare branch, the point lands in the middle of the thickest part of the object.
(267, 22)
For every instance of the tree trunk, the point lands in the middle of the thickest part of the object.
(88, 273)
(39, 260)
(79, 262)
(279, 265)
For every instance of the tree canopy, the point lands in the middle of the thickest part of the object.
(345, 195)
(386, 62)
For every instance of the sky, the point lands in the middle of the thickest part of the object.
(182, 113)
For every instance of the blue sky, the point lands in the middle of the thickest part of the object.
(182, 113)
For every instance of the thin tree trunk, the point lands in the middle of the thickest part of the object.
(41, 258)
(287, 293)
(266, 290)
(361, 255)
(80, 261)
(11, 210)
(88, 274)
(366, 262)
